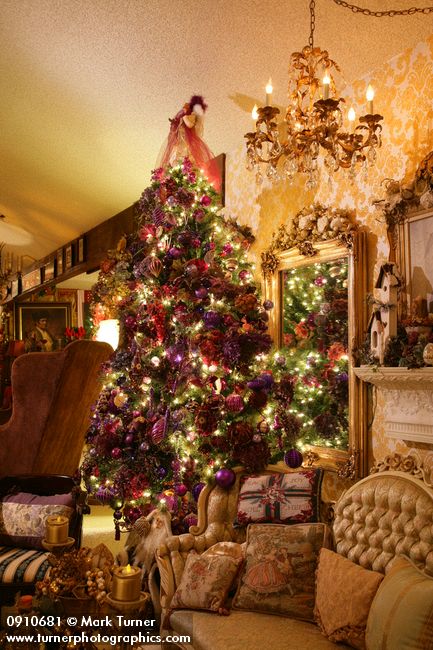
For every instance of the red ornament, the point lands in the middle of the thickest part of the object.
(234, 403)
(181, 489)
(158, 431)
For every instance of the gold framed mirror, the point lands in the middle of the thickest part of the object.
(316, 278)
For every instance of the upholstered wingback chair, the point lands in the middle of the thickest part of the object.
(52, 395)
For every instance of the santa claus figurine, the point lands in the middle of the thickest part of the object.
(185, 140)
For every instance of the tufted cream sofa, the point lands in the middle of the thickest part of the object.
(383, 515)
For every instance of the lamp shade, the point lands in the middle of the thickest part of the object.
(108, 332)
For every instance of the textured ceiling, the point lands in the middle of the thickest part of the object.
(87, 87)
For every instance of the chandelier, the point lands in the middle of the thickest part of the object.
(313, 124)
(6, 262)
(9, 269)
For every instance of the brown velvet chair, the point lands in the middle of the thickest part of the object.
(52, 395)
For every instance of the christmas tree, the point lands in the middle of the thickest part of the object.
(185, 396)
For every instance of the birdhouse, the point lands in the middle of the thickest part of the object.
(383, 322)
(387, 285)
(376, 330)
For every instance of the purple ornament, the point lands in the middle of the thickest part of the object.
(129, 438)
(293, 458)
(201, 293)
(144, 446)
(190, 520)
(116, 453)
(176, 353)
(105, 494)
(181, 489)
(225, 478)
(196, 490)
(212, 319)
(256, 384)
(175, 252)
(161, 472)
(268, 304)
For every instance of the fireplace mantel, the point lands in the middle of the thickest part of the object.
(408, 394)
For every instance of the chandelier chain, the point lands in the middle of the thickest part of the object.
(312, 23)
(379, 14)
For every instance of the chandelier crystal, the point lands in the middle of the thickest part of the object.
(313, 124)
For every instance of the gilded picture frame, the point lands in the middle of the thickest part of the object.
(58, 317)
(415, 261)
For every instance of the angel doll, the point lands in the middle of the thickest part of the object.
(185, 140)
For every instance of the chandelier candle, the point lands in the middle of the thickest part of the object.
(351, 116)
(126, 585)
(56, 530)
(370, 96)
(269, 90)
(326, 82)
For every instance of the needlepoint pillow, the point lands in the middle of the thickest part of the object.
(278, 576)
(344, 593)
(205, 582)
(23, 517)
(401, 615)
(279, 498)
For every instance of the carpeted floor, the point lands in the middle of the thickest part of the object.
(98, 528)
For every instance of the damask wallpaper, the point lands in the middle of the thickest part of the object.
(404, 97)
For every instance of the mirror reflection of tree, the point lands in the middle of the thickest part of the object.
(315, 331)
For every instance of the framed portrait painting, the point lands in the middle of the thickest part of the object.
(42, 324)
(417, 264)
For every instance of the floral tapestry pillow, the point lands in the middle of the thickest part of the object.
(344, 593)
(205, 582)
(279, 498)
(23, 517)
(278, 576)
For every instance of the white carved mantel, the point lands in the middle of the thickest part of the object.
(408, 396)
